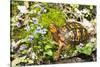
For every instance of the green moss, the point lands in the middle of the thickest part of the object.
(52, 16)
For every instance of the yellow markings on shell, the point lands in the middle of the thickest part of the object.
(68, 26)
(71, 26)
(71, 34)
(77, 25)
(64, 29)
(84, 34)
(78, 34)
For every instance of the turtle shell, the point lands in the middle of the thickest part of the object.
(74, 32)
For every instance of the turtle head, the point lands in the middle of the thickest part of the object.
(53, 28)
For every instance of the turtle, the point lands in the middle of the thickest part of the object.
(72, 33)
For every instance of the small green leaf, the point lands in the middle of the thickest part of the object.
(48, 47)
(49, 52)
(37, 47)
(87, 51)
(36, 36)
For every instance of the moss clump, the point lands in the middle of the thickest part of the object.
(52, 16)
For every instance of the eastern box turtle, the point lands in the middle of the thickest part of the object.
(72, 33)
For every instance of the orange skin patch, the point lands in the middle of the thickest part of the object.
(53, 28)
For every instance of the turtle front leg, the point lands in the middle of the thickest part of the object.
(61, 44)
(58, 52)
